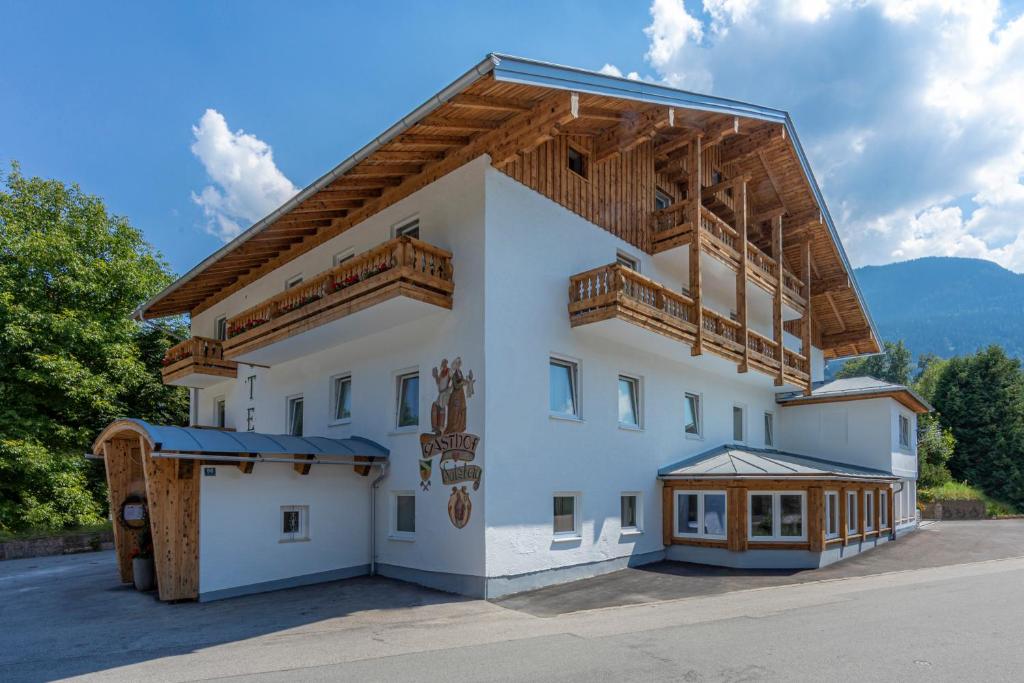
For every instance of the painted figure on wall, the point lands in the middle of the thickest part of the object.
(439, 408)
(459, 507)
(460, 388)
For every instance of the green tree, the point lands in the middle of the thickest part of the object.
(980, 399)
(892, 365)
(71, 359)
(929, 369)
(935, 446)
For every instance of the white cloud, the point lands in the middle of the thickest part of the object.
(612, 70)
(911, 110)
(247, 185)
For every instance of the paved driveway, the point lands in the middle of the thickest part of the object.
(924, 608)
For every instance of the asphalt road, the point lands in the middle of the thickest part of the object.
(954, 619)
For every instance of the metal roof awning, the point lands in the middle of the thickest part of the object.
(852, 388)
(742, 462)
(191, 443)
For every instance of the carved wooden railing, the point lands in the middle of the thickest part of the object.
(762, 263)
(724, 331)
(723, 236)
(670, 226)
(197, 354)
(762, 349)
(796, 363)
(594, 292)
(793, 287)
(423, 263)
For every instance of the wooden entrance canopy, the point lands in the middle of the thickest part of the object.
(521, 113)
(159, 463)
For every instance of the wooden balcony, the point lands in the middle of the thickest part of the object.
(197, 362)
(670, 229)
(395, 282)
(616, 292)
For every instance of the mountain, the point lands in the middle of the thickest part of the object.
(946, 306)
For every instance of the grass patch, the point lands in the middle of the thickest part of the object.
(99, 527)
(959, 490)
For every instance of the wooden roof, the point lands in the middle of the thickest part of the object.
(502, 112)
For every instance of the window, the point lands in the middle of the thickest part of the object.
(904, 431)
(563, 393)
(769, 429)
(294, 523)
(403, 514)
(624, 259)
(341, 394)
(410, 228)
(293, 281)
(738, 423)
(629, 402)
(577, 162)
(219, 411)
(629, 512)
(701, 514)
(565, 511)
(662, 199)
(693, 415)
(220, 328)
(831, 514)
(295, 415)
(407, 413)
(778, 516)
(851, 512)
(343, 256)
(869, 511)
(883, 509)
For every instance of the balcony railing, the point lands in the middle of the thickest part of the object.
(198, 361)
(399, 267)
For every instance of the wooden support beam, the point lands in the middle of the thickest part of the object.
(805, 327)
(740, 148)
(831, 284)
(442, 141)
(843, 338)
(741, 273)
(490, 103)
(304, 464)
(693, 195)
(460, 124)
(633, 132)
(540, 124)
(725, 185)
(777, 328)
(844, 527)
(599, 114)
(816, 518)
(246, 467)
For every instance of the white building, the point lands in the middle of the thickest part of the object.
(628, 388)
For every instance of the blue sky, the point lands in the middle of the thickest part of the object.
(912, 113)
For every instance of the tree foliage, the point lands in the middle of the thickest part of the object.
(892, 365)
(980, 398)
(935, 446)
(71, 358)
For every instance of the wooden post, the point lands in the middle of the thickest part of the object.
(861, 512)
(124, 477)
(693, 196)
(816, 518)
(174, 522)
(892, 512)
(777, 329)
(741, 277)
(844, 527)
(805, 328)
(666, 514)
(878, 511)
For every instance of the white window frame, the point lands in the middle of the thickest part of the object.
(852, 513)
(901, 420)
(576, 533)
(293, 281)
(637, 528)
(833, 496)
(303, 533)
(742, 407)
(342, 256)
(397, 380)
(769, 418)
(393, 532)
(624, 258)
(335, 420)
(700, 415)
(288, 402)
(660, 194)
(638, 400)
(777, 536)
(883, 510)
(220, 319)
(405, 226)
(869, 511)
(574, 377)
(218, 401)
(700, 493)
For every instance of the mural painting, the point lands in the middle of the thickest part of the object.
(449, 440)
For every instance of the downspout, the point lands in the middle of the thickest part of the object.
(384, 467)
(892, 522)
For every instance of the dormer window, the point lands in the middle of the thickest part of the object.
(577, 161)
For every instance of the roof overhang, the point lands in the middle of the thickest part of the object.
(905, 396)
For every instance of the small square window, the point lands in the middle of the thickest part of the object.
(629, 512)
(294, 281)
(693, 415)
(341, 393)
(563, 393)
(407, 413)
(343, 256)
(220, 328)
(769, 429)
(662, 199)
(294, 523)
(565, 521)
(403, 514)
(409, 229)
(577, 162)
(295, 415)
(627, 260)
(629, 402)
(738, 424)
(219, 411)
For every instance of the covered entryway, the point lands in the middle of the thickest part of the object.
(159, 465)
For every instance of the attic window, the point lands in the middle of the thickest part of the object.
(662, 199)
(577, 161)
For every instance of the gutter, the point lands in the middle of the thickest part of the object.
(456, 87)
(384, 470)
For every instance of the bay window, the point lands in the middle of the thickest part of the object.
(701, 514)
(778, 516)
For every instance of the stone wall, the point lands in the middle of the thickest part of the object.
(57, 545)
(955, 509)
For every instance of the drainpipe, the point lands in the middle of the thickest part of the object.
(373, 516)
(892, 522)
(193, 408)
